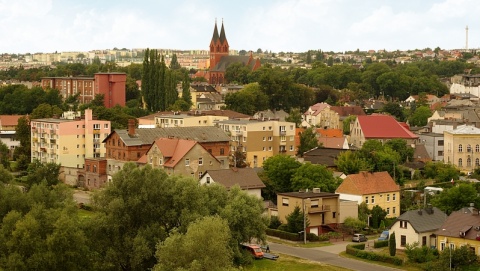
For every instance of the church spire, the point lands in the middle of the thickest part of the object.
(223, 38)
(215, 32)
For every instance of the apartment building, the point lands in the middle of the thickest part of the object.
(187, 120)
(68, 142)
(462, 147)
(260, 139)
(111, 85)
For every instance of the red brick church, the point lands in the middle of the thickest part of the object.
(220, 58)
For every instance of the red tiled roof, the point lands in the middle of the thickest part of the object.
(365, 183)
(317, 108)
(9, 120)
(329, 132)
(332, 142)
(383, 126)
(172, 148)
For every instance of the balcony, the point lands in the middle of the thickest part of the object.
(283, 132)
(283, 143)
(319, 209)
(96, 140)
(237, 133)
(53, 132)
(53, 141)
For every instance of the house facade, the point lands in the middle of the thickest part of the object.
(373, 188)
(68, 142)
(260, 139)
(463, 147)
(187, 120)
(322, 209)
(418, 226)
(379, 127)
(8, 125)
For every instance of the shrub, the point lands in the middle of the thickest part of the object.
(392, 245)
(379, 244)
(284, 235)
(274, 222)
(419, 254)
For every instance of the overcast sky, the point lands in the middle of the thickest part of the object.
(31, 26)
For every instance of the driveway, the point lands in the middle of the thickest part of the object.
(328, 255)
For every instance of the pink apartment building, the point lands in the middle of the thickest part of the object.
(68, 142)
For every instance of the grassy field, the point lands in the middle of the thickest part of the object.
(289, 263)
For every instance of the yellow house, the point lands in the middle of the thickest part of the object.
(462, 228)
(322, 208)
(462, 147)
(373, 188)
(187, 120)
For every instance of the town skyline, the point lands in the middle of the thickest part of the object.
(47, 26)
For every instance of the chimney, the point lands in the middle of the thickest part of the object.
(316, 190)
(131, 127)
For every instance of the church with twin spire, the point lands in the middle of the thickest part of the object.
(220, 57)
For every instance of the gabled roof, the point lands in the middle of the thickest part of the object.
(316, 108)
(246, 178)
(146, 136)
(322, 156)
(329, 133)
(464, 220)
(9, 120)
(225, 61)
(345, 111)
(333, 142)
(173, 149)
(365, 183)
(383, 126)
(465, 130)
(424, 220)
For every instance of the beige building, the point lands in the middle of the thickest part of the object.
(373, 188)
(68, 142)
(260, 139)
(187, 120)
(322, 208)
(462, 147)
(180, 157)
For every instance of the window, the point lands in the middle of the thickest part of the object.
(244, 139)
(187, 162)
(208, 179)
(469, 162)
(264, 138)
(373, 199)
(460, 162)
(424, 240)
(263, 148)
(442, 246)
(403, 224)
(403, 240)
(469, 148)
(388, 197)
(394, 210)
(222, 151)
(394, 196)
(460, 148)
(440, 143)
(200, 173)
(200, 161)
(284, 201)
(105, 126)
(477, 148)
(314, 203)
(269, 128)
(283, 138)
(270, 138)
(334, 214)
(366, 200)
(96, 126)
(94, 168)
(270, 148)
(388, 210)
(477, 162)
(263, 128)
(291, 147)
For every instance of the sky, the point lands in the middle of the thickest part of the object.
(34, 26)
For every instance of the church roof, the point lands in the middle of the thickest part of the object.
(223, 38)
(215, 33)
(225, 61)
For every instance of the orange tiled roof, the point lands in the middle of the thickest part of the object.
(365, 183)
(329, 132)
(9, 120)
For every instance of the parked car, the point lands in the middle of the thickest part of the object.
(384, 236)
(358, 237)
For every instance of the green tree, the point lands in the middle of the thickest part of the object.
(309, 176)
(353, 225)
(248, 100)
(186, 95)
(378, 215)
(347, 122)
(38, 173)
(239, 158)
(295, 221)
(215, 253)
(174, 65)
(441, 172)
(349, 162)
(308, 141)
(401, 146)
(392, 245)
(295, 116)
(46, 111)
(395, 110)
(4, 155)
(280, 169)
(5, 176)
(237, 72)
(420, 116)
(456, 197)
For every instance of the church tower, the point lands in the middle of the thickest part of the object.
(218, 48)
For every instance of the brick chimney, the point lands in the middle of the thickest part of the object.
(131, 127)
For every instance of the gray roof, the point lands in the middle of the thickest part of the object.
(424, 220)
(145, 136)
(225, 61)
(246, 178)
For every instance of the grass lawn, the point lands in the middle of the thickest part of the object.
(83, 214)
(289, 263)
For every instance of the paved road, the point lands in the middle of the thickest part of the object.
(332, 258)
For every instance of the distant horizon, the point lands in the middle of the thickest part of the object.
(46, 26)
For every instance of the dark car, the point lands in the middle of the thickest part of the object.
(358, 237)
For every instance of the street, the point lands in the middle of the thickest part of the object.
(323, 254)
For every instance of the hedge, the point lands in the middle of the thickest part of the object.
(357, 250)
(296, 236)
(379, 244)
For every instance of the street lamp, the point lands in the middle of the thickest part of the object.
(304, 221)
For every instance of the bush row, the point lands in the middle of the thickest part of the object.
(379, 244)
(298, 237)
(357, 250)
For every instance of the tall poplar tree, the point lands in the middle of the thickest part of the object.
(186, 95)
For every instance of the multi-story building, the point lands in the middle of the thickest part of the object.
(111, 85)
(187, 120)
(377, 188)
(68, 142)
(434, 144)
(130, 145)
(462, 147)
(8, 125)
(260, 139)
